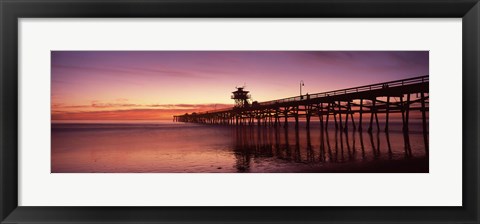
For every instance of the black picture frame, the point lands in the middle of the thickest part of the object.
(12, 10)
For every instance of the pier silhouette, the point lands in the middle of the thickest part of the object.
(346, 107)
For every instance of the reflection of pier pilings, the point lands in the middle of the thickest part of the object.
(297, 157)
(375, 147)
(327, 138)
(387, 136)
(361, 143)
(241, 150)
(336, 146)
(348, 146)
(322, 143)
(310, 152)
(277, 141)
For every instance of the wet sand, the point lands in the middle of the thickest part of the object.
(410, 165)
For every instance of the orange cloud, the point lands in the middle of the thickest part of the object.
(151, 112)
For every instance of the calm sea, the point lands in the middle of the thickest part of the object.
(167, 147)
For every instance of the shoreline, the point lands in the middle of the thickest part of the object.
(409, 165)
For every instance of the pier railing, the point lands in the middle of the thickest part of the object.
(409, 81)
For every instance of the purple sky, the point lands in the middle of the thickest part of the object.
(92, 81)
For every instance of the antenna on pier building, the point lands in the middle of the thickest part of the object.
(241, 97)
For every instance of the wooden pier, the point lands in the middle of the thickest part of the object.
(344, 109)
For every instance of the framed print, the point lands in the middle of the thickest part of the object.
(258, 133)
(249, 112)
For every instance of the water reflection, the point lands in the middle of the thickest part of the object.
(314, 146)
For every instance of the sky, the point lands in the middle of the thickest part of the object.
(155, 85)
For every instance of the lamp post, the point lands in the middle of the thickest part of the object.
(301, 84)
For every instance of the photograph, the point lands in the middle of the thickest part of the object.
(234, 111)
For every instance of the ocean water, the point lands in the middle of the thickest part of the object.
(175, 147)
